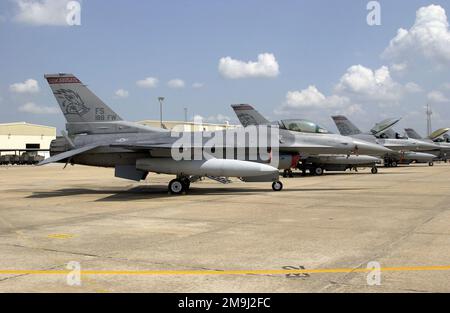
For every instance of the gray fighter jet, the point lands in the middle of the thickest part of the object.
(315, 163)
(444, 147)
(404, 149)
(97, 136)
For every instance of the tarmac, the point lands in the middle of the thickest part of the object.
(240, 237)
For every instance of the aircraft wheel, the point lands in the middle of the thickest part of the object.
(394, 164)
(277, 186)
(176, 187)
(285, 173)
(374, 170)
(431, 164)
(318, 171)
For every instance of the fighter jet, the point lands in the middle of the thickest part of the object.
(444, 147)
(404, 149)
(324, 159)
(98, 136)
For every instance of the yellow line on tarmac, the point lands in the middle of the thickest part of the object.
(225, 272)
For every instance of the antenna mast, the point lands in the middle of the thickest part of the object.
(429, 114)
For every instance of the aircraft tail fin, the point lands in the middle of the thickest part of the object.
(247, 115)
(77, 102)
(344, 126)
(411, 133)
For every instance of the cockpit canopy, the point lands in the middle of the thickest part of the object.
(303, 126)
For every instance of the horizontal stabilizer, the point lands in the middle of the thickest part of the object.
(68, 154)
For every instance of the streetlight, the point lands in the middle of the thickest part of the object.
(161, 100)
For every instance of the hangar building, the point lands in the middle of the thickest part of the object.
(21, 136)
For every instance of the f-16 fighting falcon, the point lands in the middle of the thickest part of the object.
(97, 136)
(404, 149)
(444, 147)
(322, 160)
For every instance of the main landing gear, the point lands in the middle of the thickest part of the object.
(388, 163)
(374, 170)
(277, 186)
(179, 185)
(318, 171)
(288, 173)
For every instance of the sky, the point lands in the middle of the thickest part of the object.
(290, 59)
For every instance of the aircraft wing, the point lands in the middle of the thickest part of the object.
(139, 146)
(68, 154)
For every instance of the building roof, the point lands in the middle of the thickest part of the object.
(26, 129)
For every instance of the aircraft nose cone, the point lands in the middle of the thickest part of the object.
(365, 147)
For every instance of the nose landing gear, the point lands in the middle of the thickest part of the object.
(277, 186)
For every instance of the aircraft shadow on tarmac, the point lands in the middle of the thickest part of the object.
(155, 192)
(382, 171)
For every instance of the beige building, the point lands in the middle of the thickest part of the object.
(181, 126)
(21, 136)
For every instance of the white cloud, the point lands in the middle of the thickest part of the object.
(29, 86)
(214, 119)
(219, 118)
(399, 67)
(198, 119)
(176, 83)
(198, 85)
(351, 110)
(122, 93)
(42, 12)
(312, 97)
(365, 83)
(413, 88)
(429, 37)
(266, 67)
(437, 97)
(149, 82)
(33, 108)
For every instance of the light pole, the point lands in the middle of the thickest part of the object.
(161, 100)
